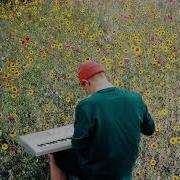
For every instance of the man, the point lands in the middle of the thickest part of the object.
(107, 128)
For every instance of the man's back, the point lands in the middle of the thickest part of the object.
(107, 133)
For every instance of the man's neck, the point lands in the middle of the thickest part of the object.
(103, 87)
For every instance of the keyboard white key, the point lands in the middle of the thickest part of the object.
(48, 141)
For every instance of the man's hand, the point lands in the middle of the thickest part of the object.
(56, 173)
(51, 159)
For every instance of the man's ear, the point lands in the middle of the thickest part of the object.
(83, 82)
(86, 82)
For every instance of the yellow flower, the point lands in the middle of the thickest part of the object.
(169, 42)
(69, 29)
(161, 83)
(176, 128)
(164, 48)
(171, 59)
(146, 92)
(153, 146)
(137, 50)
(87, 59)
(141, 71)
(18, 14)
(121, 62)
(91, 37)
(69, 14)
(17, 73)
(168, 66)
(12, 134)
(16, 1)
(13, 95)
(149, 51)
(53, 45)
(109, 46)
(175, 178)
(68, 99)
(177, 140)
(46, 109)
(161, 32)
(46, 125)
(108, 61)
(98, 50)
(137, 63)
(22, 23)
(14, 89)
(125, 50)
(82, 10)
(153, 162)
(25, 65)
(163, 112)
(59, 45)
(52, 75)
(34, 8)
(68, 76)
(30, 60)
(12, 69)
(158, 129)
(117, 82)
(103, 60)
(173, 140)
(108, 66)
(68, 54)
(4, 146)
(25, 130)
(99, 33)
(149, 77)
(12, 65)
(137, 173)
(8, 86)
(31, 52)
(31, 92)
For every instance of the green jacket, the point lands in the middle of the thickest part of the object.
(107, 131)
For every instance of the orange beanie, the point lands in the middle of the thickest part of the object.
(88, 69)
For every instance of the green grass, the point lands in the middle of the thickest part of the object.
(41, 45)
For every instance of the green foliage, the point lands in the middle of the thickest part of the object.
(42, 43)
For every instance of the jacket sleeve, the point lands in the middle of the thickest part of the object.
(147, 124)
(82, 128)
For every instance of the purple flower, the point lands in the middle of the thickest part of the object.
(171, 2)
(106, 53)
(11, 118)
(12, 147)
(77, 50)
(127, 60)
(68, 45)
(152, 39)
(175, 50)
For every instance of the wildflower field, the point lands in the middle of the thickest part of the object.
(41, 44)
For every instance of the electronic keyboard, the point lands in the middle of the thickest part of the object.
(48, 141)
